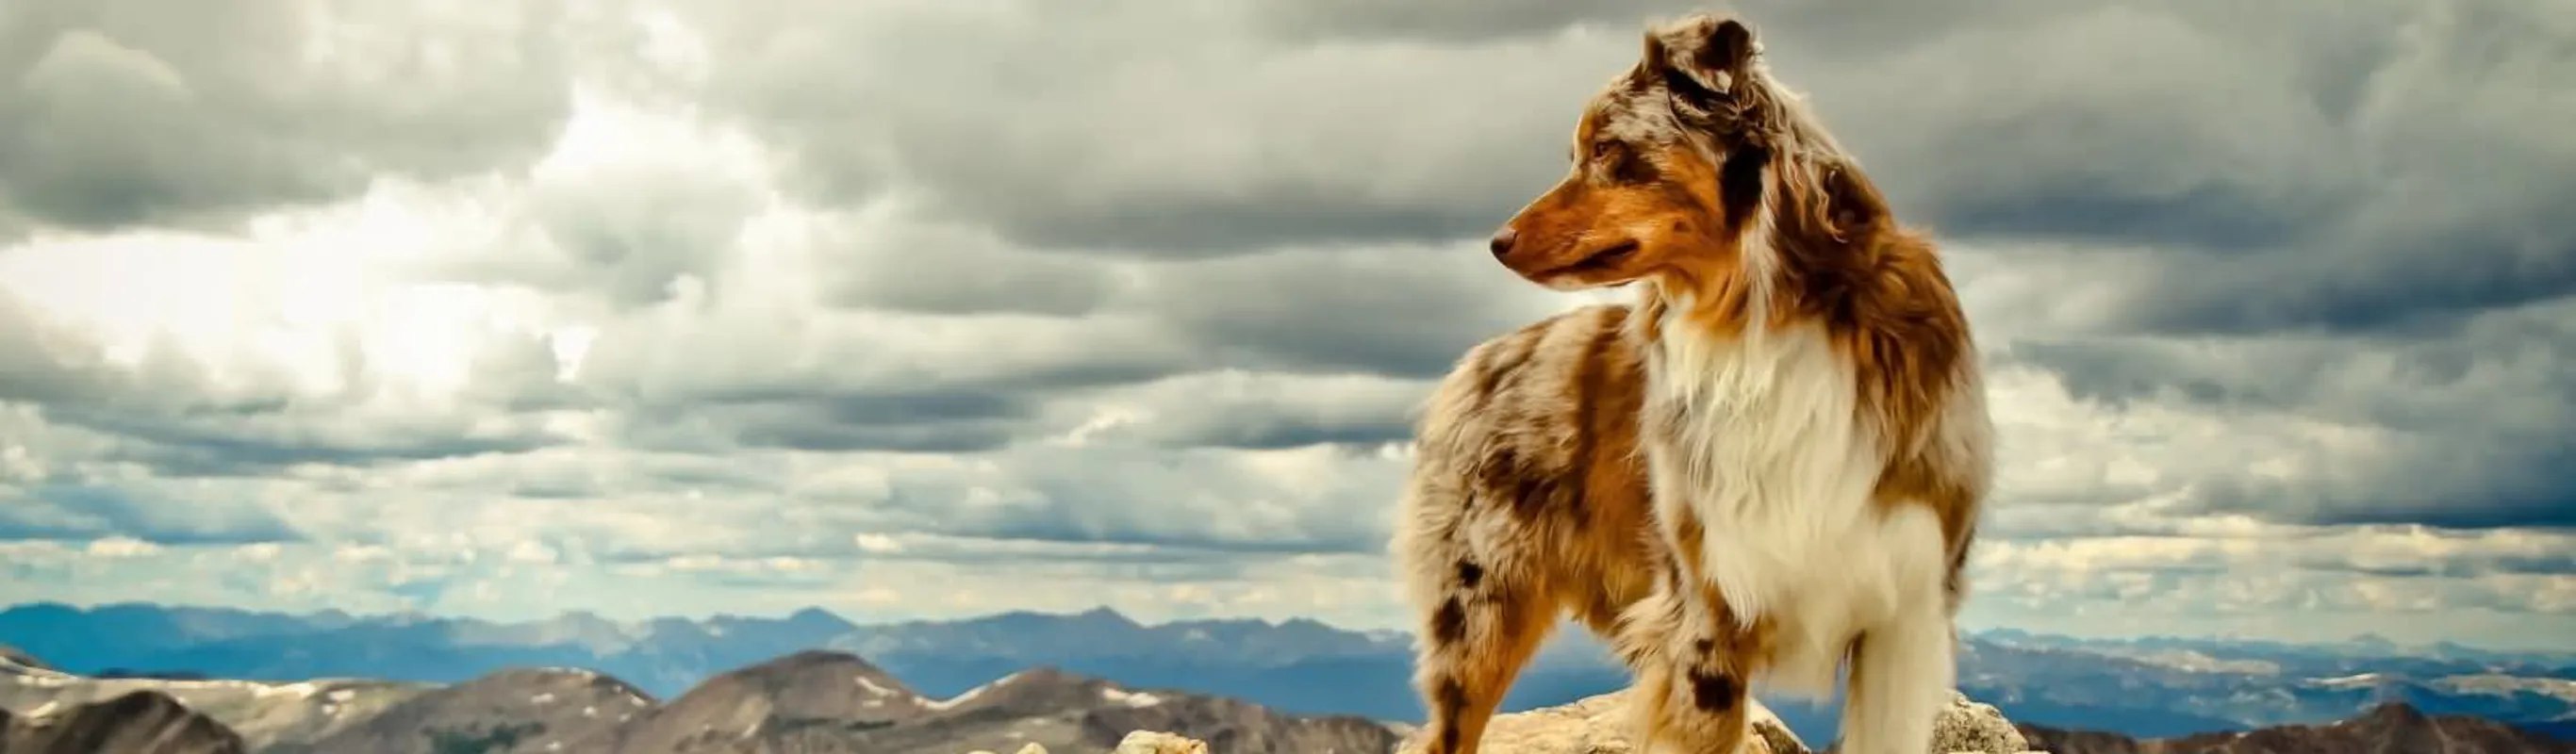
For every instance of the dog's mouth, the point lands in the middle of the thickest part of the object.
(1601, 260)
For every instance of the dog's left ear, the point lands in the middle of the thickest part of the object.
(1703, 57)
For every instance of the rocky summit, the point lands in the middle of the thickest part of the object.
(822, 702)
(1599, 725)
(139, 722)
(2387, 728)
(808, 702)
(533, 710)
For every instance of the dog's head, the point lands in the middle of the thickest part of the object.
(1669, 162)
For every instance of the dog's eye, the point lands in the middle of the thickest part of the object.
(1602, 148)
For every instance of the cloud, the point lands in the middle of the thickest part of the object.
(117, 517)
(131, 113)
(921, 308)
(1143, 129)
(1262, 410)
(2293, 169)
(897, 260)
(2460, 425)
(1405, 311)
(168, 411)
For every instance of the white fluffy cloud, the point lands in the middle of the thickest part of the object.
(912, 309)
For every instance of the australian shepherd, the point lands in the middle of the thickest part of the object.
(1770, 465)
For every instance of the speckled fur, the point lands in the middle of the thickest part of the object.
(1525, 504)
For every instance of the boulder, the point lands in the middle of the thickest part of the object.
(1138, 742)
(1972, 726)
(1151, 742)
(1596, 725)
(1599, 725)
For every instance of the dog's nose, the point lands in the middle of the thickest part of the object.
(1502, 243)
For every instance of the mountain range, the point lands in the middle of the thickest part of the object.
(808, 702)
(826, 701)
(2392, 727)
(2145, 688)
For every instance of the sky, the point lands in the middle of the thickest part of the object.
(933, 308)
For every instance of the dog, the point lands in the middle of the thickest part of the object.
(1772, 463)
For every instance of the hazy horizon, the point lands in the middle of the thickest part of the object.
(1568, 634)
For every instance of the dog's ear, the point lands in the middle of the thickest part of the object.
(1702, 58)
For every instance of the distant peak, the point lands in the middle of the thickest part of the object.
(142, 703)
(2395, 712)
(813, 659)
(20, 658)
(1038, 674)
(815, 616)
(819, 655)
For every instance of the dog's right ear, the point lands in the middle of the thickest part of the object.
(1702, 58)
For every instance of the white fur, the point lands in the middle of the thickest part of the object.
(1775, 461)
(1774, 458)
(1909, 669)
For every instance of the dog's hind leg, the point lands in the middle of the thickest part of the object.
(1482, 613)
(1475, 643)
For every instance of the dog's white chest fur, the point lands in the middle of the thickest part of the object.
(1767, 449)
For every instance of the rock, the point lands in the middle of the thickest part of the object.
(1597, 725)
(1971, 726)
(1151, 742)
(1033, 749)
(141, 722)
(518, 709)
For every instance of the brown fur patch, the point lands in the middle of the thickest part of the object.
(1533, 436)
(1449, 623)
(1714, 693)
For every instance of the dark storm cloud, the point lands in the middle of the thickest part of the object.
(90, 511)
(1132, 495)
(1195, 561)
(2434, 483)
(628, 233)
(2461, 425)
(2345, 165)
(804, 543)
(930, 422)
(913, 264)
(1870, 23)
(1403, 312)
(1151, 129)
(169, 415)
(953, 341)
(849, 381)
(2467, 565)
(1451, 21)
(1107, 203)
(258, 445)
(1256, 429)
(134, 112)
(1250, 410)
(2300, 165)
